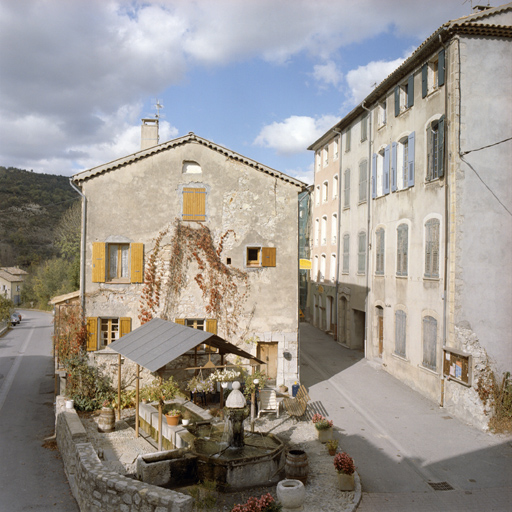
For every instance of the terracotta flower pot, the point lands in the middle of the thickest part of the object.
(172, 420)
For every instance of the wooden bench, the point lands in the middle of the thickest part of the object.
(268, 402)
(297, 406)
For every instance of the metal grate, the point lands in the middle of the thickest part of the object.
(441, 486)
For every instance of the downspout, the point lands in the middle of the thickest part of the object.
(368, 228)
(82, 248)
(338, 235)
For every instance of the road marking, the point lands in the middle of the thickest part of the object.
(14, 369)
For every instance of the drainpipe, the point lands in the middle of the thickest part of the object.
(368, 228)
(82, 247)
(338, 233)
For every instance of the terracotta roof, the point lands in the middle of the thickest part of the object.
(186, 139)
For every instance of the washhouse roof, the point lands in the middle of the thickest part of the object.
(158, 342)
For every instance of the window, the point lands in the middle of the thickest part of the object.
(361, 253)
(435, 149)
(429, 342)
(321, 275)
(334, 228)
(317, 231)
(101, 332)
(117, 262)
(363, 180)
(318, 160)
(400, 332)
(432, 74)
(346, 200)
(402, 249)
(332, 269)
(346, 248)
(404, 96)
(380, 250)
(326, 156)
(325, 191)
(347, 141)
(364, 128)
(260, 256)
(201, 324)
(191, 168)
(382, 114)
(315, 268)
(335, 186)
(336, 149)
(194, 204)
(402, 163)
(317, 195)
(432, 248)
(380, 172)
(323, 232)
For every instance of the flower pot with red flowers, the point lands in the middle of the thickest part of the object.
(344, 465)
(323, 427)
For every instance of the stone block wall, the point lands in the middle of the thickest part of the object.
(99, 490)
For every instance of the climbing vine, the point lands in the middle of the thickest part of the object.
(224, 288)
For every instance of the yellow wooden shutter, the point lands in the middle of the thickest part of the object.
(98, 262)
(92, 333)
(125, 326)
(179, 321)
(211, 325)
(268, 257)
(137, 263)
(194, 204)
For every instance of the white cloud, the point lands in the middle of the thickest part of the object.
(328, 74)
(295, 134)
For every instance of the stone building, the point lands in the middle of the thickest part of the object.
(192, 232)
(421, 248)
(11, 283)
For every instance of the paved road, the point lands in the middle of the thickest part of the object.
(400, 441)
(31, 475)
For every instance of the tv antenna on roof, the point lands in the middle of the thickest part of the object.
(158, 106)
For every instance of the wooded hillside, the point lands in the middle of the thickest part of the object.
(31, 207)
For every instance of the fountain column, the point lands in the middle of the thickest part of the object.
(235, 407)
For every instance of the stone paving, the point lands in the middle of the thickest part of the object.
(119, 450)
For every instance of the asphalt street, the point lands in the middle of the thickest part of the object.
(31, 471)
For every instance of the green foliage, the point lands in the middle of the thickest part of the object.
(6, 308)
(160, 390)
(250, 387)
(496, 396)
(205, 495)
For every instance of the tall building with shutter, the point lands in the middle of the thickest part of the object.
(192, 232)
(424, 201)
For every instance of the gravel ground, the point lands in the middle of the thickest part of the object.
(119, 451)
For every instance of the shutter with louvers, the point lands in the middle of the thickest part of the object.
(397, 101)
(440, 147)
(435, 249)
(374, 176)
(394, 149)
(98, 262)
(410, 155)
(441, 68)
(410, 91)
(137, 263)
(385, 174)
(424, 80)
(268, 257)
(429, 342)
(92, 333)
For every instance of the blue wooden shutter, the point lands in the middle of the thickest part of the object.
(410, 91)
(385, 174)
(410, 163)
(440, 69)
(397, 101)
(374, 176)
(440, 147)
(394, 148)
(424, 80)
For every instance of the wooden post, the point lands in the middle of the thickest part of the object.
(221, 398)
(137, 402)
(253, 399)
(160, 421)
(119, 387)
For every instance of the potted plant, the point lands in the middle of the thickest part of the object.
(173, 417)
(331, 446)
(283, 388)
(344, 465)
(323, 427)
(185, 417)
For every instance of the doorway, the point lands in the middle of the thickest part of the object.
(267, 352)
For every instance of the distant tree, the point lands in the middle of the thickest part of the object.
(67, 239)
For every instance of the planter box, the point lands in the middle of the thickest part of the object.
(324, 435)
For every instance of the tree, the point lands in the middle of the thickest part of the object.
(6, 307)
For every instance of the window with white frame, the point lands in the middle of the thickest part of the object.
(346, 190)
(382, 114)
(402, 248)
(323, 231)
(429, 343)
(432, 74)
(315, 269)
(380, 245)
(321, 276)
(347, 140)
(118, 258)
(318, 161)
(363, 180)
(325, 191)
(361, 253)
(317, 195)
(400, 332)
(364, 128)
(317, 231)
(334, 228)
(432, 228)
(326, 155)
(435, 149)
(402, 163)
(336, 149)
(335, 186)
(404, 95)
(332, 269)
(346, 253)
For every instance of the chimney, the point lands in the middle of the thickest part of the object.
(149, 133)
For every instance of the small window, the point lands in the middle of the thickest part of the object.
(382, 114)
(380, 251)
(346, 254)
(253, 256)
(364, 128)
(335, 187)
(315, 269)
(336, 149)
(432, 74)
(318, 161)
(191, 168)
(402, 250)
(326, 156)
(347, 140)
(361, 253)
(317, 195)
(118, 255)
(321, 274)
(333, 268)
(400, 332)
(334, 228)
(323, 233)
(346, 201)
(109, 331)
(317, 231)
(429, 342)
(435, 149)
(404, 96)
(432, 248)
(101, 332)
(260, 257)
(325, 191)
(363, 180)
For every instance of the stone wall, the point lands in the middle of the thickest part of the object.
(99, 490)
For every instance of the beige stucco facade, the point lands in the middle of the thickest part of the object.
(249, 210)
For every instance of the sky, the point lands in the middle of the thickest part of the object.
(264, 78)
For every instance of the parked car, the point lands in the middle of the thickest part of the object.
(15, 319)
